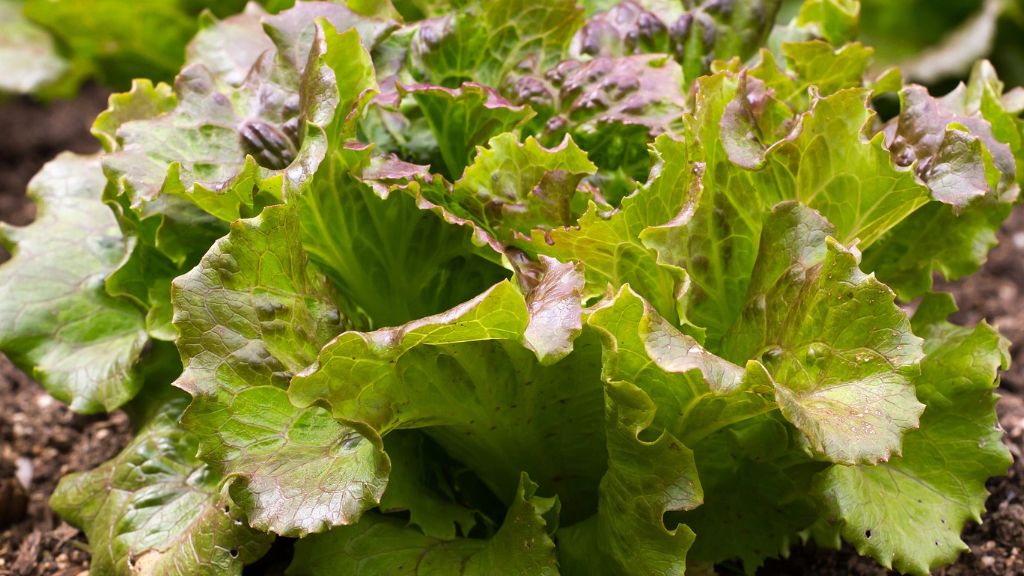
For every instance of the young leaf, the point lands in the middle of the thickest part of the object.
(383, 545)
(644, 481)
(390, 260)
(464, 118)
(518, 187)
(609, 245)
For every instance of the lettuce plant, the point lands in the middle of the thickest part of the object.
(509, 287)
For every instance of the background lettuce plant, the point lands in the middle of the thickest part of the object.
(509, 287)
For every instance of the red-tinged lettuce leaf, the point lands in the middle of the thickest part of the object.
(493, 42)
(612, 107)
(694, 33)
(753, 121)
(624, 29)
(646, 479)
(293, 471)
(839, 352)
(824, 162)
(173, 212)
(964, 146)
(727, 414)
(472, 375)
(609, 245)
(383, 545)
(714, 30)
(249, 316)
(390, 260)
(514, 188)
(908, 513)
(157, 509)
(464, 118)
(29, 60)
(57, 321)
(944, 140)
(242, 135)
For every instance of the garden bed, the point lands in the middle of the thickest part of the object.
(50, 441)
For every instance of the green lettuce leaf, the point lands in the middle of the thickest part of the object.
(645, 480)
(727, 414)
(840, 353)
(908, 513)
(249, 316)
(416, 468)
(57, 321)
(156, 509)
(514, 187)
(383, 545)
(751, 521)
(29, 57)
(390, 261)
(493, 42)
(119, 41)
(836, 21)
(471, 375)
(464, 118)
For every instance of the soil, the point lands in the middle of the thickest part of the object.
(41, 440)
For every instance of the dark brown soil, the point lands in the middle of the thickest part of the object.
(43, 440)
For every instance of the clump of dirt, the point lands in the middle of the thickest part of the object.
(43, 441)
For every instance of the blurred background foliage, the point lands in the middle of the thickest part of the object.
(49, 47)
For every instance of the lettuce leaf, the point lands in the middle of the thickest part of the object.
(78, 341)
